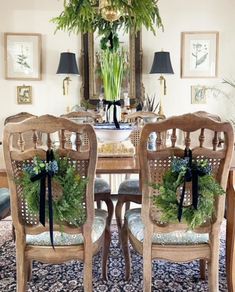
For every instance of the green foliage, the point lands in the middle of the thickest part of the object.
(84, 16)
(113, 65)
(69, 207)
(230, 82)
(166, 201)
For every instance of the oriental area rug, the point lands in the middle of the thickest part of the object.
(69, 276)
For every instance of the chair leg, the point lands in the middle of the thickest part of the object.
(202, 264)
(213, 266)
(118, 214)
(87, 272)
(21, 268)
(98, 203)
(125, 249)
(29, 270)
(105, 251)
(127, 207)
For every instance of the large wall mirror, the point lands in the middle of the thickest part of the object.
(91, 88)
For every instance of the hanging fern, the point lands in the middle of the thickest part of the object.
(84, 16)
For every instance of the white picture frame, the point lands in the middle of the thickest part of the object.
(22, 56)
(199, 54)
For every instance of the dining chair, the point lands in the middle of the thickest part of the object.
(156, 238)
(71, 242)
(129, 190)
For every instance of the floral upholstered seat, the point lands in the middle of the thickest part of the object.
(136, 227)
(61, 238)
(101, 186)
(129, 186)
(4, 202)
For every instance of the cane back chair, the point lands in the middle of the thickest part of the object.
(174, 242)
(129, 190)
(32, 239)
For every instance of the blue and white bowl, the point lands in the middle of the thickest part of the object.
(107, 132)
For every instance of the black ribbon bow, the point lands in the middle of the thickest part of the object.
(42, 176)
(191, 174)
(115, 104)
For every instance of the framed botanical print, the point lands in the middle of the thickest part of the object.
(199, 54)
(22, 56)
(24, 94)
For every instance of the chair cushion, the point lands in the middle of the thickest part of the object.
(61, 238)
(4, 199)
(101, 186)
(129, 187)
(136, 227)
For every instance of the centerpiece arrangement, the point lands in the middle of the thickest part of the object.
(113, 66)
(107, 17)
(186, 175)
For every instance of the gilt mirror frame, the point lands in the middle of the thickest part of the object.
(88, 72)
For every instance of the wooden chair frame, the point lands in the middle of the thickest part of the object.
(221, 161)
(25, 253)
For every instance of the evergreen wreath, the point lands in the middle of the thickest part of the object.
(68, 189)
(180, 171)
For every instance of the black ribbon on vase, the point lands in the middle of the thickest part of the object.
(43, 176)
(191, 174)
(115, 104)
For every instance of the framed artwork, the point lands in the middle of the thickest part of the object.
(24, 94)
(198, 94)
(22, 56)
(199, 54)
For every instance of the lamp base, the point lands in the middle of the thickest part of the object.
(161, 112)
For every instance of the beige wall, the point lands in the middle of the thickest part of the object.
(178, 15)
(200, 15)
(34, 17)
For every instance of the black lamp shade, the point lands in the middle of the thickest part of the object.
(68, 64)
(161, 63)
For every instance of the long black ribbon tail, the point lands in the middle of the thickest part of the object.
(180, 208)
(195, 194)
(187, 178)
(50, 157)
(115, 104)
(50, 207)
(42, 195)
(110, 38)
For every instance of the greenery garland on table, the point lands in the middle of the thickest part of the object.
(69, 205)
(166, 201)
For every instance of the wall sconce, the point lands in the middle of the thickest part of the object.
(162, 64)
(67, 65)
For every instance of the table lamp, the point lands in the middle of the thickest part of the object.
(67, 65)
(162, 65)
